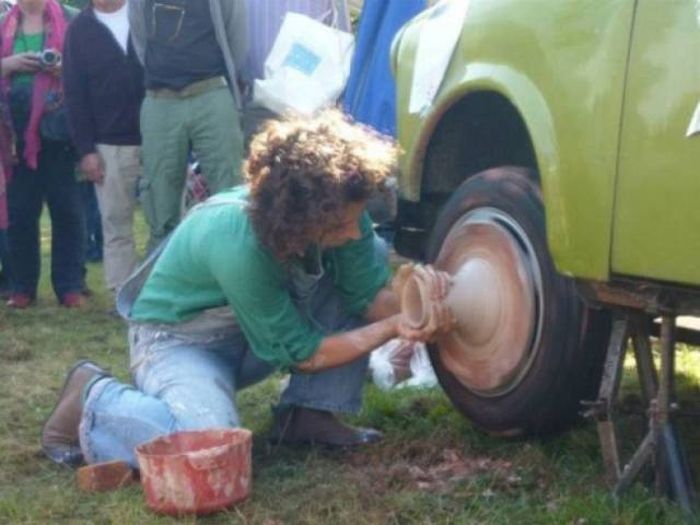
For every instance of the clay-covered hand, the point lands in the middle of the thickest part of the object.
(438, 282)
(425, 316)
(440, 322)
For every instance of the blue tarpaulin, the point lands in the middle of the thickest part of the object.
(370, 95)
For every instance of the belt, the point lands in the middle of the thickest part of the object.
(192, 90)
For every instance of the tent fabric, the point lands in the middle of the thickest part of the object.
(370, 94)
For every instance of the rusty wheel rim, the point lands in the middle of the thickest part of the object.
(498, 302)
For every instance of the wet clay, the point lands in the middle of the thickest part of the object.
(421, 296)
(470, 299)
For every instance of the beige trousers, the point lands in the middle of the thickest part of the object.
(116, 197)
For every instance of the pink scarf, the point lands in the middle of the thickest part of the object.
(6, 158)
(44, 82)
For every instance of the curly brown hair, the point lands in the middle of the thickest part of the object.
(304, 171)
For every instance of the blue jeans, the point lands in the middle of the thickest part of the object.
(5, 272)
(54, 182)
(93, 222)
(188, 381)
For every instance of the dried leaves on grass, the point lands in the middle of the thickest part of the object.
(432, 472)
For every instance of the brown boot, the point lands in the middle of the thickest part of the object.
(59, 437)
(293, 425)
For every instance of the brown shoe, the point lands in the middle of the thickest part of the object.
(293, 425)
(59, 437)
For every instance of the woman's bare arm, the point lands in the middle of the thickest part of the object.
(343, 348)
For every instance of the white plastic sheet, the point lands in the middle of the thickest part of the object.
(399, 364)
(438, 37)
(694, 126)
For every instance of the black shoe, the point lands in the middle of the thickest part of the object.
(59, 437)
(293, 425)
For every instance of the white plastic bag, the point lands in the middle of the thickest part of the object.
(401, 364)
(307, 68)
(422, 373)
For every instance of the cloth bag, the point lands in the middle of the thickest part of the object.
(307, 67)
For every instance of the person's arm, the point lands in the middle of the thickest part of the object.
(256, 288)
(386, 321)
(80, 119)
(340, 349)
(385, 304)
(361, 272)
(20, 63)
(137, 28)
(236, 26)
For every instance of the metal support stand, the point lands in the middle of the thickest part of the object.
(660, 447)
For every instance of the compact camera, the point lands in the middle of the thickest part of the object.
(49, 58)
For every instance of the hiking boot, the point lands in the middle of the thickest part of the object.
(293, 425)
(59, 437)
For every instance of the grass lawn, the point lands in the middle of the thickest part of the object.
(432, 467)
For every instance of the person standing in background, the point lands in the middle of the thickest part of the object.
(32, 35)
(104, 90)
(6, 160)
(191, 51)
(93, 222)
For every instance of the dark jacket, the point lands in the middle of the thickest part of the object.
(230, 26)
(103, 86)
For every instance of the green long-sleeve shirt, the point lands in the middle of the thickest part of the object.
(214, 259)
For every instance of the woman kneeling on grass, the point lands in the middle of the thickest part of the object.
(284, 272)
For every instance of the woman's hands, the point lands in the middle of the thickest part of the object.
(338, 349)
(438, 318)
(27, 62)
(441, 321)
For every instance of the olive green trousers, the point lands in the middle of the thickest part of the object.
(208, 123)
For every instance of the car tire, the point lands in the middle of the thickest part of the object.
(557, 345)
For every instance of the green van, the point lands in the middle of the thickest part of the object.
(562, 151)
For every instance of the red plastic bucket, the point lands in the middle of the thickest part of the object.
(196, 472)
